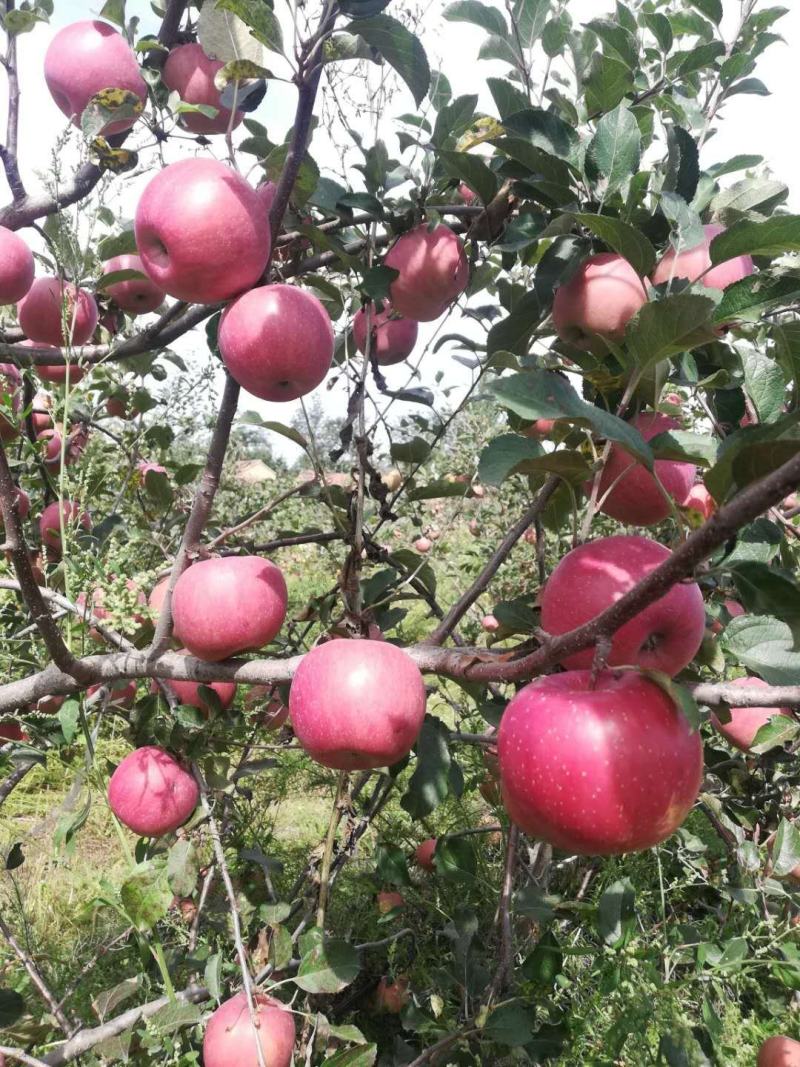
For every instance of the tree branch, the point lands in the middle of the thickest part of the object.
(35, 976)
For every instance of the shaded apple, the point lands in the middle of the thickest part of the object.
(277, 342)
(393, 339)
(122, 692)
(423, 854)
(68, 511)
(49, 705)
(11, 731)
(16, 267)
(230, 1037)
(700, 500)
(598, 302)
(664, 636)
(490, 624)
(266, 194)
(692, 263)
(466, 194)
(41, 413)
(540, 428)
(55, 373)
(779, 1051)
(57, 313)
(433, 271)
(744, 723)
(151, 792)
(137, 296)
(598, 769)
(190, 73)
(189, 692)
(357, 704)
(388, 900)
(392, 996)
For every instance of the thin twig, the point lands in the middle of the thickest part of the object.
(35, 976)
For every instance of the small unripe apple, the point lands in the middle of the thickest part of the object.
(151, 792)
(57, 313)
(51, 518)
(122, 693)
(690, 264)
(598, 301)
(423, 856)
(230, 1037)
(201, 231)
(779, 1052)
(529, 537)
(189, 72)
(393, 339)
(357, 704)
(10, 389)
(540, 428)
(433, 270)
(744, 723)
(598, 766)
(277, 342)
(633, 494)
(16, 267)
(137, 296)
(423, 544)
(85, 58)
(221, 607)
(392, 997)
(665, 636)
(700, 500)
(388, 901)
(490, 624)
(474, 527)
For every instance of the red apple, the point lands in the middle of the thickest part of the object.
(690, 264)
(634, 497)
(779, 1052)
(230, 1036)
(423, 855)
(734, 608)
(49, 705)
(137, 296)
(271, 713)
(700, 500)
(118, 407)
(57, 313)
(51, 442)
(664, 636)
(221, 607)
(16, 267)
(11, 731)
(466, 194)
(41, 416)
(10, 389)
(433, 271)
(393, 339)
(55, 373)
(598, 769)
(392, 997)
(92, 608)
(357, 704)
(22, 502)
(266, 194)
(143, 468)
(745, 723)
(540, 428)
(151, 792)
(423, 544)
(490, 624)
(68, 511)
(189, 693)
(388, 901)
(600, 299)
(189, 72)
(277, 342)
(201, 231)
(529, 537)
(157, 594)
(122, 693)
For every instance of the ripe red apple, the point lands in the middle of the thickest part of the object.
(49, 705)
(23, 504)
(490, 624)
(635, 498)
(745, 723)
(41, 412)
(16, 267)
(357, 704)
(423, 544)
(51, 519)
(157, 594)
(119, 407)
(271, 712)
(690, 264)
(700, 500)
(388, 901)
(598, 770)
(11, 731)
(600, 299)
(143, 468)
(433, 271)
(424, 854)
(83, 59)
(779, 1052)
(189, 72)
(137, 296)
(122, 693)
(230, 1037)
(151, 792)
(10, 389)
(189, 693)
(201, 231)
(540, 428)
(55, 373)
(57, 313)
(266, 194)
(466, 194)
(665, 636)
(51, 442)
(277, 341)
(224, 606)
(393, 339)
(392, 997)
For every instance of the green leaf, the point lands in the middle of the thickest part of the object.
(616, 917)
(764, 645)
(360, 1056)
(555, 35)
(764, 383)
(785, 848)
(511, 1024)
(501, 457)
(479, 14)
(686, 224)
(12, 1007)
(734, 164)
(455, 859)
(616, 148)
(513, 333)
(712, 9)
(68, 718)
(542, 394)
(532, 903)
(472, 170)
(363, 9)
(659, 26)
(609, 81)
(617, 40)
(253, 419)
(108, 106)
(15, 857)
(118, 244)
(146, 895)
(529, 17)
(748, 299)
(774, 237)
(329, 967)
(183, 867)
(391, 865)
(16, 22)
(157, 487)
(437, 489)
(683, 163)
(453, 119)
(430, 782)
(664, 328)
(544, 964)
(775, 733)
(768, 590)
(629, 242)
(686, 447)
(507, 97)
(544, 130)
(224, 35)
(400, 48)
(747, 195)
(682, 698)
(114, 11)
(212, 975)
(415, 450)
(260, 19)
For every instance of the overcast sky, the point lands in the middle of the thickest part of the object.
(753, 124)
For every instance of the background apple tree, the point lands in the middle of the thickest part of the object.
(429, 518)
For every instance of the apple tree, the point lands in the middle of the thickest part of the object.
(511, 649)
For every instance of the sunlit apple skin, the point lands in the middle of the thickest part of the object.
(201, 231)
(50, 521)
(600, 298)
(137, 296)
(423, 856)
(16, 267)
(151, 792)
(690, 264)
(277, 342)
(746, 722)
(665, 636)
(228, 605)
(230, 1041)
(598, 770)
(433, 270)
(357, 704)
(50, 305)
(392, 341)
(779, 1052)
(10, 387)
(83, 59)
(190, 72)
(635, 498)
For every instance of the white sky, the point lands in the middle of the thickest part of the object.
(753, 124)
